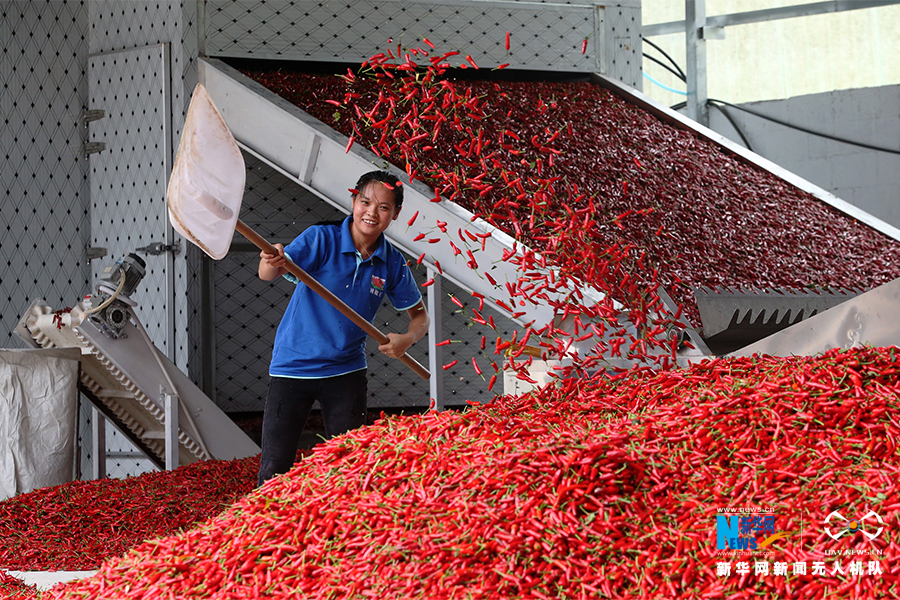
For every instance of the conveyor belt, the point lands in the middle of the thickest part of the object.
(122, 377)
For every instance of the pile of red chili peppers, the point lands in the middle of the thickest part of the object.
(13, 588)
(606, 192)
(601, 487)
(78, 525)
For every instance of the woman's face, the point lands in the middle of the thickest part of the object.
(374, 209)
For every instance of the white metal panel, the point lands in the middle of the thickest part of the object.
(621, 23)
(543, 35)
(129, 177)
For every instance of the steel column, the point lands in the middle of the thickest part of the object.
(171, 429)
(435, 332)
(98, 444)
(697, 96)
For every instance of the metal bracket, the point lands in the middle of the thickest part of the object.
(170, 424)
(95, 252)
(91, 115)
(157, 248)
(312, 155)
(93, 148)
(709, 32)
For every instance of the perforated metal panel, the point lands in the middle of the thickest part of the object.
(622, 23)
(129, 177)
(545, 36)
(44, 226)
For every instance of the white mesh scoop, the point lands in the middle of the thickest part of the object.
(207, 182)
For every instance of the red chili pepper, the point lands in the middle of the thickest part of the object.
(450, 365)
(507, 40)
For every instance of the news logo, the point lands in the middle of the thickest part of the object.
(746, 531)
(842, 525)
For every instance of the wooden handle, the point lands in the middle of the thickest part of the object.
(263, 244)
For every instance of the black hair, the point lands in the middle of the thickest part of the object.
(386, 178)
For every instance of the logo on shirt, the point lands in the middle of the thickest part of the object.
(377, 286)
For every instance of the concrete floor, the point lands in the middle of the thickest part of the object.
(44, 580)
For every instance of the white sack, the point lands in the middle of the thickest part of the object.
(38, 399)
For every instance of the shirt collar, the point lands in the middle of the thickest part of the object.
(347, 246)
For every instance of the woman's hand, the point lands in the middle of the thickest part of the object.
(272, 266)
(397, 345)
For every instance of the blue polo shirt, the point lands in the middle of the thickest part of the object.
(314, 340)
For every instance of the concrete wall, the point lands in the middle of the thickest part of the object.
(869, 179)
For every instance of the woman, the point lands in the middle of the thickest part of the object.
(319, 354)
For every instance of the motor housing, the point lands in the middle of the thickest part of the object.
(113, 294)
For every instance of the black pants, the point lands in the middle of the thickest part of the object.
(343, 402)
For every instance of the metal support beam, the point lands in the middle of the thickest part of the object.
(98, 444)
(435, 332)
(769, 14)
(697, 96)
(171, 429)
(168, 156)
(207, 326)
(201, 27)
